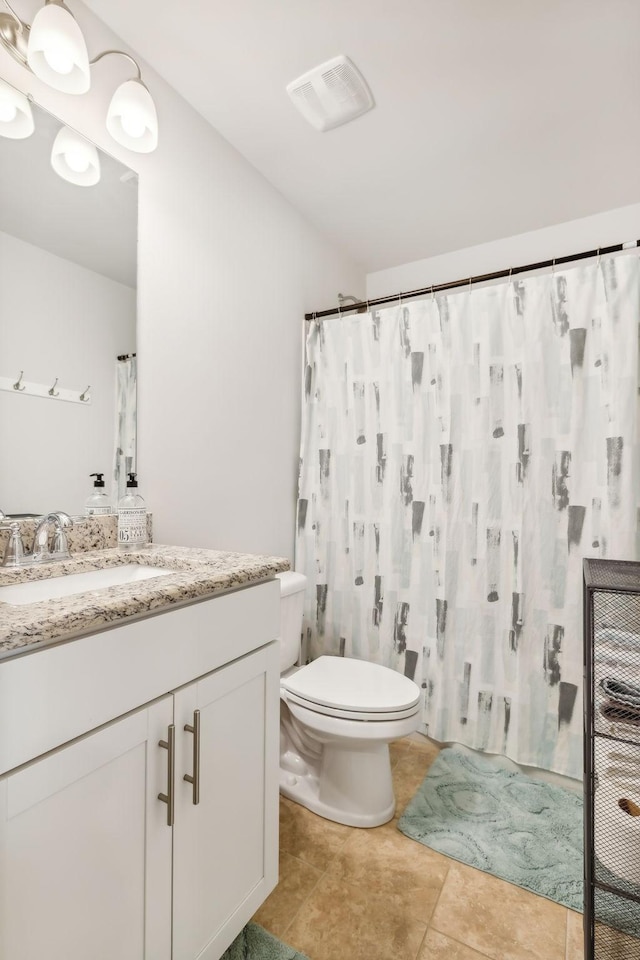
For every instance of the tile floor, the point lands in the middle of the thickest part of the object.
(350, 894)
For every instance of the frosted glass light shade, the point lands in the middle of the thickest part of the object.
(16, 118)
(57, 52)
(132, 119)
(75, 159)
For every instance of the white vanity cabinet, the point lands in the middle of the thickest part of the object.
(223, 862)
(89, 865)
(85, 854)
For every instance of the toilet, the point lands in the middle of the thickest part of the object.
(337, 718)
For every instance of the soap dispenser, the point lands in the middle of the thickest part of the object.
(97, 505)
(132, 518)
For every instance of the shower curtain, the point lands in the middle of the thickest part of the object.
(124, 458)
(460, 455)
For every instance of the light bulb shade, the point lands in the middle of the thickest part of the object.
(57, 52)
(132, 119)
(75, 159)
(16, 118)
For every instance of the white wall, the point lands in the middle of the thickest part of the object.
(227, 269)
(574, 236)
(57, 320)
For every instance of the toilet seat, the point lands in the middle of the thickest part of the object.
(352, 689)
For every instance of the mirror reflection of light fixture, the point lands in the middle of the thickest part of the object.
(54, 49)
(75, 159)
(16, 118)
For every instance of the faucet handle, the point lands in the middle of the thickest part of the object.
(14, 550)
(60, 546)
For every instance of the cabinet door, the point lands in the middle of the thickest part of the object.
(225, 852)
(85, 848)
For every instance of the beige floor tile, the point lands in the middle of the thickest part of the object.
(613, 944)
(409, 746)
(575, 941)
(297, 880)
(309, 837)
(408, 773)
(341, 922)
(385, 863)
(399, 749)
(424, 745)
(438, 947)
(499, 919)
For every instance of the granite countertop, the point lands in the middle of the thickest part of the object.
(196, 574)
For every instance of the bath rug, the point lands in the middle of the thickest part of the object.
(254, 943)
(505, 823)
(517, 828)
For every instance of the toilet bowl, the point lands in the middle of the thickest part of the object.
(337, 718)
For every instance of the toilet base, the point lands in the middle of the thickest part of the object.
(349, 786)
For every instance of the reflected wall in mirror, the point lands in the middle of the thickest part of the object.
(67, 311)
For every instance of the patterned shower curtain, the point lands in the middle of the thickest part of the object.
(460, 456)
(124, 458)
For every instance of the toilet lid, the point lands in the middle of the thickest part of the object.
(353, 685)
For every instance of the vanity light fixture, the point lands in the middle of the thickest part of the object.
(75, 159)
(16, 117)
(132, 120)
(54, 50)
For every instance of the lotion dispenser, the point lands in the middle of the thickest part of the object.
(132, 518)
(97, 505)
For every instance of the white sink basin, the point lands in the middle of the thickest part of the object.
(32, 591)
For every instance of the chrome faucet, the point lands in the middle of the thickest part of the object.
(59, 547)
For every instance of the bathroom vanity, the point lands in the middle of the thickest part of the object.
(139, 758)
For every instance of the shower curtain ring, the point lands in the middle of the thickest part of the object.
(598, 260)
(433, 293)
(399, 299)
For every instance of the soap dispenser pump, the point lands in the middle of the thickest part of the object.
(97, 505)
(132, 518)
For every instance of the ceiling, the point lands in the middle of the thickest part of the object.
(492, 117)
(95, 227)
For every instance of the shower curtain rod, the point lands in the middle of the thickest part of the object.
(364, 305)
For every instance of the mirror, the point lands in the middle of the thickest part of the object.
(67, 312)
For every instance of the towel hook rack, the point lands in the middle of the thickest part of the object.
(84, 395)
(52, 390)
(16, 385)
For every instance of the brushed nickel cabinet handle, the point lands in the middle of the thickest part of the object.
(195, 779)
(168, 797)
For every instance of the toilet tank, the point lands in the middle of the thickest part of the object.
(292, 587)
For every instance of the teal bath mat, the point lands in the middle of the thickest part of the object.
(503, 822)
(254, 943)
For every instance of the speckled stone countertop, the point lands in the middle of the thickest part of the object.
(87, 533)
(195, 574)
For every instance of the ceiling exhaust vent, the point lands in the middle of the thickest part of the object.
(331, 94)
